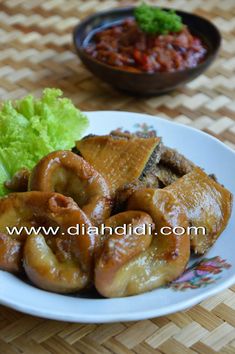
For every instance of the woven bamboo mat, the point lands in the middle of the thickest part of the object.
(36, 52)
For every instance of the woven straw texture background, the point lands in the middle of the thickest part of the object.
(35, 52)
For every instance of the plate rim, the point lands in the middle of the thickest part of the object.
(137, 316)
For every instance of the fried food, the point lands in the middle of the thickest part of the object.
(158, 200)
(123, 194)
(69, 174)
(166, 168)
(171, 167)
(19, 181)
(10, 254)
(121, 159)
(168, 255)
(49, 210)
(46, 270)
(206, 203)
(117, 251)
(175, 161)
(162, 261)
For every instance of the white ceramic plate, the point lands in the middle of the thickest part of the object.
(213, 275)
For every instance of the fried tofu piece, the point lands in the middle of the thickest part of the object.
(121, 159)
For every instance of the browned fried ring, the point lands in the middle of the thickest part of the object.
(75, 252)
(45, 269)
(165, 258)
(118, 250)
(69, 174)
(168, 255)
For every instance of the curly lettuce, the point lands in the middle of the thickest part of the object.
(31, 128)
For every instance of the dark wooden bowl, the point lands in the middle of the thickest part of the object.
(144, 83)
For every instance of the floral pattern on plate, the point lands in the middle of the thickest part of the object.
(141, 130)
(200, 274)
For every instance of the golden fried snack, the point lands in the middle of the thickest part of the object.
(168, 255)
(206, 203)
(50, 210)
(10, 254)
(118, 250)
(120, 158)
(161, 262)
(69, 174)
(46, 270)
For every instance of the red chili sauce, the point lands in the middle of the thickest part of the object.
(126, 47)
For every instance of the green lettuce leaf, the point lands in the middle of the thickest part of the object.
(31, 128)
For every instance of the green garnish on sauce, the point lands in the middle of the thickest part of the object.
(154, 20)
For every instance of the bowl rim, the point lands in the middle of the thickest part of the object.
(82, 53)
